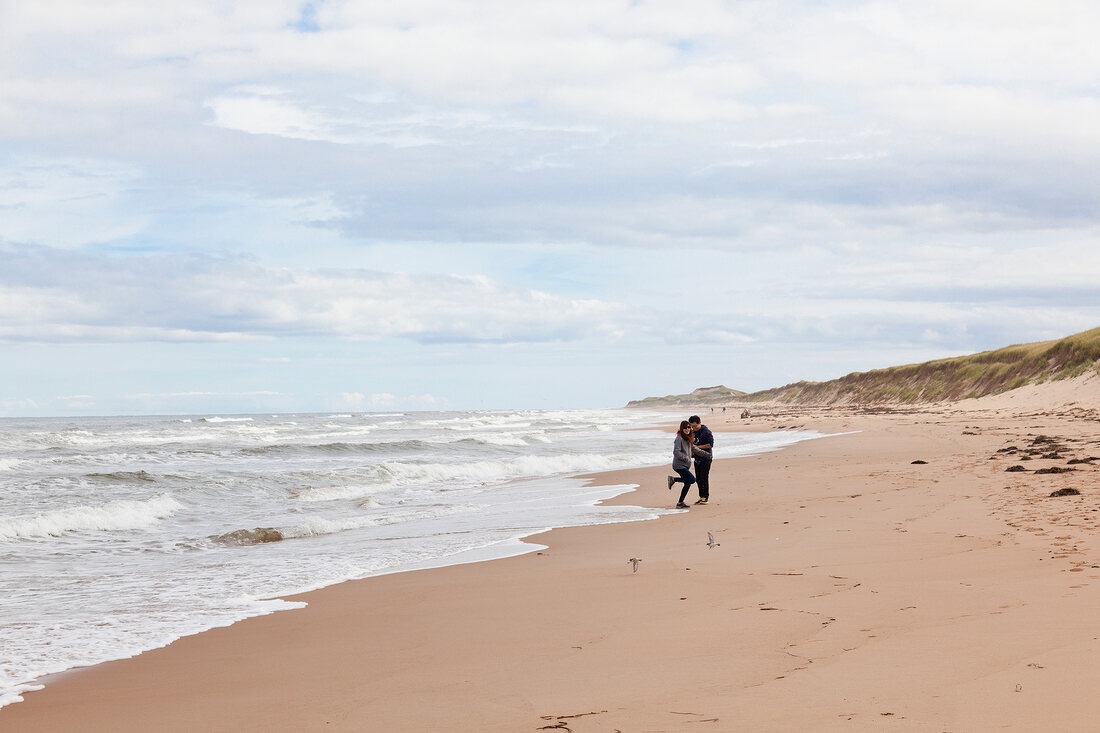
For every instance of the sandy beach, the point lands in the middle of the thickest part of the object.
(894, 576)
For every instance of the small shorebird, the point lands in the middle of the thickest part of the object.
(711, 544)
(634, 561)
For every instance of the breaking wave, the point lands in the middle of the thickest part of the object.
(443, 476)
(337, 447)
(318, 526)
(112, 516)
(125, 476)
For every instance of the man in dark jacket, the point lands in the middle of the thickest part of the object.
(703, 439)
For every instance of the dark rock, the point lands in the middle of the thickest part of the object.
(1065, 492)
(1052, 456)
(1055, 469)
(256, 536)
(918, 462)
(1015, 469)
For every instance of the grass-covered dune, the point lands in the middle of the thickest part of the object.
(977, 375)
(719, 395)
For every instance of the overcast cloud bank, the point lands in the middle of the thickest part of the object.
(414, 195)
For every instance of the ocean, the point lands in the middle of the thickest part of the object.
(122, 534)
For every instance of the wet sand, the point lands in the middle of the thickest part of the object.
(852, 589)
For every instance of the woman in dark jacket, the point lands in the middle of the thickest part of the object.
(682, 451)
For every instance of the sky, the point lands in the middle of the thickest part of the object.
(278, 206)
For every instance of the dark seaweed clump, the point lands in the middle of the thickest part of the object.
(1065, 492)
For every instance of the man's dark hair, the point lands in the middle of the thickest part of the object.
(695, 418)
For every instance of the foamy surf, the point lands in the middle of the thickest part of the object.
(113, 516)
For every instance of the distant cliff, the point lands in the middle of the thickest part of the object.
(719, 395)
(990, 372)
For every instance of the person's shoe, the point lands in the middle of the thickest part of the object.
(671, 481)
(702, 500)
(681, 505)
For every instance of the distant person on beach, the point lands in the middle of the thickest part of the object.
(704, 445)
(682, 450)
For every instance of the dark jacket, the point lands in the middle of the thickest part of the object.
(703, 436)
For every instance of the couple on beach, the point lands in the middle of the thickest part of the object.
(693, 440)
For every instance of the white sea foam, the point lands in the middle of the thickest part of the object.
(7, 464)
(73, 437)
(318, 527)
(113, 516)
(445, 476)
(520, 467)
(15, 693)
(343, 491)
(504, 440)
(226, 419)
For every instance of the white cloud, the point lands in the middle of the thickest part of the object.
(353, 400)
(147, 395)
(45, 295)
(653, 61)
(17, 406)
(268, 115)
(67, 202)
(387, 401)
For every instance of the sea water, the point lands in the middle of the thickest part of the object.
(122, 534)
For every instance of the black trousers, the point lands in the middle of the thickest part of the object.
(702, 476)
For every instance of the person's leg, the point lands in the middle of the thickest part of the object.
(702, 476)
(688, 479)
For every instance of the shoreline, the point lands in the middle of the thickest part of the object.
(852, 590)
(585, 484)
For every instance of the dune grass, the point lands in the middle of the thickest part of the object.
(977, 375)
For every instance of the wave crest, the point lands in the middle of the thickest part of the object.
(125, 476)
(112, 516)
(337, 447)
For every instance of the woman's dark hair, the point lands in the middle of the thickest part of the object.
(684, 424)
